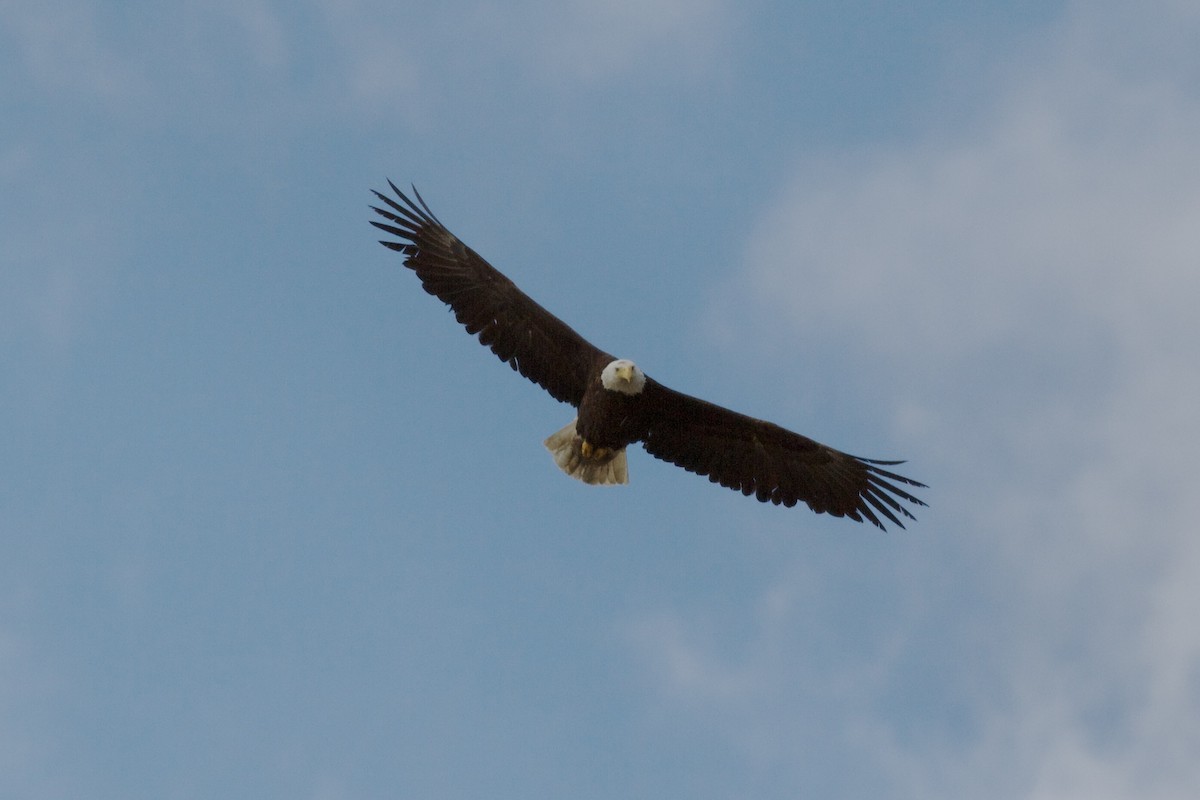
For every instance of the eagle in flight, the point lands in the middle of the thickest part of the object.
(618, 404)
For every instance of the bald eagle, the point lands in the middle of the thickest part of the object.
(618, 404)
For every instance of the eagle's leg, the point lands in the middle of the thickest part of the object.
(581, 459)
(593, 453)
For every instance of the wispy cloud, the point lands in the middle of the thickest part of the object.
(616, 37)
(386, 59)
(61, 48)
(599, 42)
(1028, 288)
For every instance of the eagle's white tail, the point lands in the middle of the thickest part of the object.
(604, 468)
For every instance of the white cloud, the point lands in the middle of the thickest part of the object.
(48, 294)
(72, 47)
(390, 59)
(618, 36)
(262, 30)
(1029, 289)
(62, 48)
(600, 41)
(372, 49)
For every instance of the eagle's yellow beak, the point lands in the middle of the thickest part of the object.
(625, 372)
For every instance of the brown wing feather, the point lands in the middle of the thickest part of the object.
(520, 332)
(762, 459)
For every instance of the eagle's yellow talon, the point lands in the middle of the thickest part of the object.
(592, 453)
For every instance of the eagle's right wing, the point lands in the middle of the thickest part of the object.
(776, 465)
(520, 332)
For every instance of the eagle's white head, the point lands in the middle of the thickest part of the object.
(623, 376)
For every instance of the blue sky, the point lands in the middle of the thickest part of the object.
(273, 526)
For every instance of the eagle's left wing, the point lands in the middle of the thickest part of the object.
(520, 332)
(774, 464)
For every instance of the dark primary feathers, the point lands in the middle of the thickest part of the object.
(774, 464)
(756, 457)
(520, 332)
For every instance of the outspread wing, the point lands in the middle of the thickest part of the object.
(520, 332)
(772, 463)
